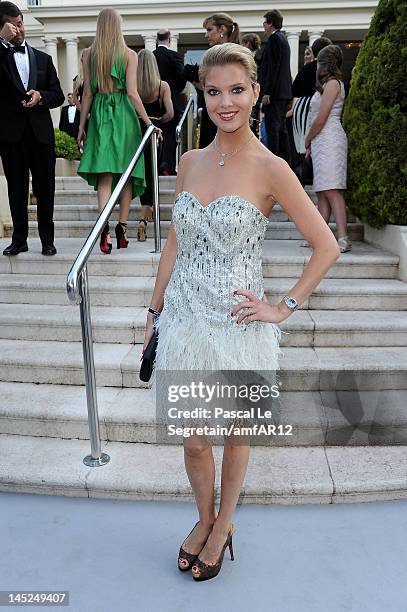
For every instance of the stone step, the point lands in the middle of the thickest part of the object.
(68, 183)
(80, 197)
(281, 258)
(156, 472)
(129, 415)
(331, 293)
(276, 230)
(89, 212)
(117, 365)
(126, 325)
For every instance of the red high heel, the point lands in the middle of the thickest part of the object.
(120, 231)
(105, 246)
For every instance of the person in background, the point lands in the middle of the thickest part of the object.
(303, 89)
(220, 28)
(327, 143)
(114, 134)
(253, 42)
(29, 87)
(171, 70)
(77, 85)
(156, 97)
(70, 117)
(275, 83)
(308, 56)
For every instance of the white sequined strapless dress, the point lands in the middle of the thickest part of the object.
(219, 251)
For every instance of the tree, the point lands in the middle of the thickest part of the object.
(376, 122)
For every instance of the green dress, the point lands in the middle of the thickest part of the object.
(113, 135)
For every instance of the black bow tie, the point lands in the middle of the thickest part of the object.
(20, 49)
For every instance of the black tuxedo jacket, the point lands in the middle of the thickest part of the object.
(275, 71)
(43, 78)
(65, 126)
(171, 68)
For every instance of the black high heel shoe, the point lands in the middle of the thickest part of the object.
(105, 246)
(120, 231)
(183, 554)
(210, 571)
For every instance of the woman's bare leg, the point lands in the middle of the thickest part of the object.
(147, 212)
(337, 202)
(323, 206)
(125, 201)
(234, 466)
(200, 467)
(104, 189)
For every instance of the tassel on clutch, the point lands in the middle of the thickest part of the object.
(148, 357)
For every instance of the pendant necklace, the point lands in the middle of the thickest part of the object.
(224, 156)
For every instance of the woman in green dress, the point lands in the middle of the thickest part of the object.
(114, 133)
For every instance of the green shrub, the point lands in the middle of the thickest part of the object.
(65, 146)
(376, 122)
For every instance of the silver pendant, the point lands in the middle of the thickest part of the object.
(222, 162)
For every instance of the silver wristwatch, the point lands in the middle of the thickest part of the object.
(290, 302)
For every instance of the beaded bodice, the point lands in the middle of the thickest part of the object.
(219, 251)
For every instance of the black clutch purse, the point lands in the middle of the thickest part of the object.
(304, 171)
(148, 358)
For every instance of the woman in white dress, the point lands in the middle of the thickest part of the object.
(327, 143)
(209, 288)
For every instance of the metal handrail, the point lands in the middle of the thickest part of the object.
(186, 115)
(78, 290)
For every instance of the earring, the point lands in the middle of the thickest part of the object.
(221, 35)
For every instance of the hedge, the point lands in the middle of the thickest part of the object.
(65, 146)
(375, 120)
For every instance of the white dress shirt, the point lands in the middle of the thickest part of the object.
(23, 66)
(71, 113)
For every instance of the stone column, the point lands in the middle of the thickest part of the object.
(313, 35)
(174, 42)
(149, 41)
(71, 45)
(51, 49)
(294, 42)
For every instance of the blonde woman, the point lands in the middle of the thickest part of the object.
(156, 97)
(114, 133)
(220, 28)
(209, 291)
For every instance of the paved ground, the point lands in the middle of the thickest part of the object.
(120, 556)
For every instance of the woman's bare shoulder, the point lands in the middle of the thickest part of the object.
(190, 157)
(130, 55)
(270, 163)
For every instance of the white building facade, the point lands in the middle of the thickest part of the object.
(63, 28)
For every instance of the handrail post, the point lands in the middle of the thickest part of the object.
(190, 127)
(156, 194)
(96, 457)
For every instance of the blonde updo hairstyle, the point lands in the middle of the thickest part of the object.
(228, 53)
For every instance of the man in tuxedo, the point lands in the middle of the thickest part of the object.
(275, 84)
(70, 118)
(171, 68)
(29, 88)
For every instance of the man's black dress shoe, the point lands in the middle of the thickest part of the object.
(49, 249)
(15, 249)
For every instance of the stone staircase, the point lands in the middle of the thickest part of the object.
(354, 322)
